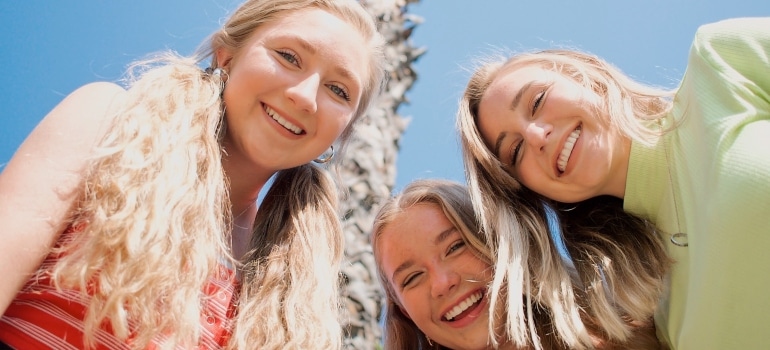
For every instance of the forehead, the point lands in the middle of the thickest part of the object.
(512, 79)
(419, 222)
(336, 41)
(498, 99)
(411, 232)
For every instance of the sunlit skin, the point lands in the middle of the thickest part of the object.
(432, 271)
(312, 78)
(526, 117)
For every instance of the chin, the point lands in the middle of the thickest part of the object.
(482, 343)
(569, 197)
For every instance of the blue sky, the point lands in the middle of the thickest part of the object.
(49, 48)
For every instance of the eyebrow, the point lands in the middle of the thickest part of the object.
(407, 264)
(519, 95)
(305, 44)
(514, 105)
(308, 46)
(444, 235)
(499, 143)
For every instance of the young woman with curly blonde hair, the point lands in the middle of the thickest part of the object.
(130, 216)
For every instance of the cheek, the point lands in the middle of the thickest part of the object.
(236, 90)
(540, 183)
(337, 120)
(530, 174)
(473, 266)
(411, 306)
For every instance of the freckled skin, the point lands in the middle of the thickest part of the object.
(440, 276)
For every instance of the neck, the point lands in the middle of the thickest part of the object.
(245, 182)
(242, 231)
(616, 185)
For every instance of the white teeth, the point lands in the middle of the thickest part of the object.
(285, 123)
(567, 151)
(465, 304)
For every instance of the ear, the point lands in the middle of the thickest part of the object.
(223, 57)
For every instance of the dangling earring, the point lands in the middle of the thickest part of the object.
(221, 75)
(324, 159)
(222, 127)
(429, 341)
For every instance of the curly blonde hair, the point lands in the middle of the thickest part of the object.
(157, 220)
(619, 258)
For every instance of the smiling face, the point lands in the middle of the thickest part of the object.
(293, 88)
(547, 130)
(439, 281)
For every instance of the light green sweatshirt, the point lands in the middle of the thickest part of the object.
(716, 164)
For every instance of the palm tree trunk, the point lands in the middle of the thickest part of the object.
(369, 171)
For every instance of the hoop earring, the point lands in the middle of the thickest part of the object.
(221, 74)
(430, 342)
(325, 159)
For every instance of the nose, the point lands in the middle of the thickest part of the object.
(537, 133)
(444, 281)
(304, 93)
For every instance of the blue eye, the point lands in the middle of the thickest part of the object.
(289, 57)
(455, 246)
(339, 91)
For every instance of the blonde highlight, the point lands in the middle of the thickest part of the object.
(168, 131)
(514, 222)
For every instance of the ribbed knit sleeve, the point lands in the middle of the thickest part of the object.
(717, 191)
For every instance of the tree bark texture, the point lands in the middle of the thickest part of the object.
(368, 171)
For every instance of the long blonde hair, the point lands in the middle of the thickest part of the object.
(157, 213)
(619, 258)
(455, 202)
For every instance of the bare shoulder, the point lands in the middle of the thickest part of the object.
(79, 119)
(55, 152)
(43, 180)
(92, 100)
(52, 159)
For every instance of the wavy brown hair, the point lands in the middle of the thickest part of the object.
(158, 219)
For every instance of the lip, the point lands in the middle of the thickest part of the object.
(555, 160)
(280, 128)
(472, 316)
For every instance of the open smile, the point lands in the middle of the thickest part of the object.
(296, 130)
(566, 152)
(464, 307)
